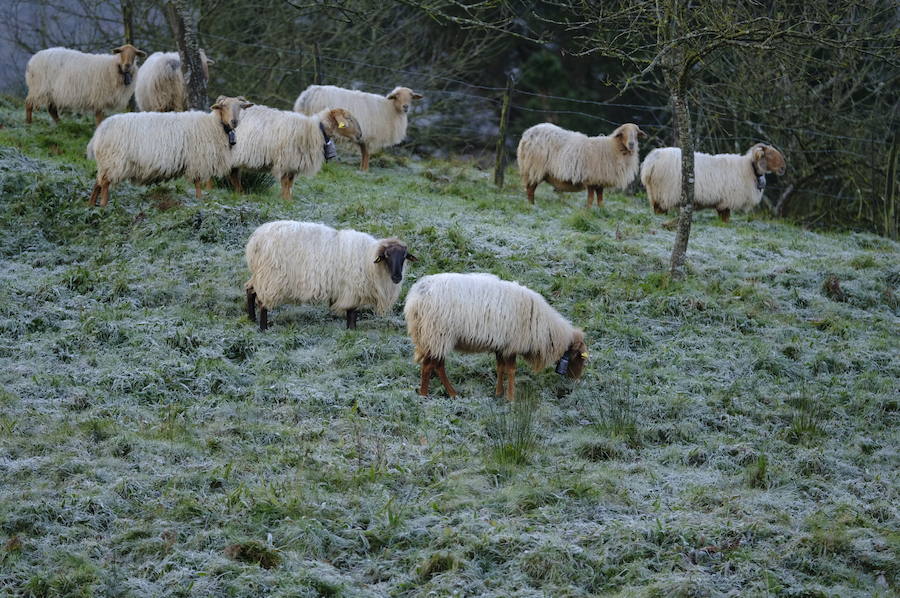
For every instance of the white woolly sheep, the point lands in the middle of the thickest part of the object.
(288, 143)
(571, 161)
(305, 262)
(478, 313)
(160, 86)
(725, 182)
(148, 147)
(64, 79)
(382, 118)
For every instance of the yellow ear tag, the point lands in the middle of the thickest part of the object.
(584, 355)
(341, 124)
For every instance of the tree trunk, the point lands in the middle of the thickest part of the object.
(185, 33)
(686, 205)
(128, 26)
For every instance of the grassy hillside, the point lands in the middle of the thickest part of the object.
(734, 434)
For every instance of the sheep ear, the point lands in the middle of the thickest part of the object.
(210, 61)
(246, 105)
(216, 106)
(378, 259)
(117, 50)
(417, 96)
(641, 134)
(141, 54)
(393, 96)
(411, 257)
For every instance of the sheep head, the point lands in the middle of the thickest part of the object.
(341, 122)
(229, 110)
(767, 159)
(402, 98)
(127, 55)
(393, 255)
(571, 364)
(626, 137)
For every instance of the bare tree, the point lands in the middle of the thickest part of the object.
(185, 31)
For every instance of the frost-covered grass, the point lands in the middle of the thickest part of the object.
(734, 433)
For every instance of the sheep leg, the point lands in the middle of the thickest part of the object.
(351, 319)
(529, 191)
(251, 304)
(263, 319)
(29, 108)
(287, 181)
(104, 193)
(657, 209)
(590, 196)
(511, 379)
(235, 178)
(209, 184)
(98, 117)
(54, 114)
(95, 193)
(724, 214)
(427, 369)
(365, 157)
(442, 374)
(599, 191)
(501, 369)
(197, 190)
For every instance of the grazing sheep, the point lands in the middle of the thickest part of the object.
(725, 182)
(571, 161)
(305, 262)
(147, 147)
(64, 79)
(477, 313)
(289, 143)
(160, 87)
(382, 118)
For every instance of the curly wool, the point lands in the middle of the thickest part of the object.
(148, 147)
(478, 313)
(382, 125)
(73, 80)
(569, 160)
(160, 86)
(305, 262)
(285, 142)
(721, 181)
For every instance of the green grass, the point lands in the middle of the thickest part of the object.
(734, 432)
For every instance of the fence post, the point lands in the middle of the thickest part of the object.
(500, 162)
(317, 65)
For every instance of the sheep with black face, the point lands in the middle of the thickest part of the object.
(305, 262)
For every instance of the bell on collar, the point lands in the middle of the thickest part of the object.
(761, 182)
(330, 150)
(232, 139)
(562, 366)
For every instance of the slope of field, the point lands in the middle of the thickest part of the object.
(735, 433)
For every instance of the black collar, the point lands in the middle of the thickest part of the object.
(760, 176)
(324, 134)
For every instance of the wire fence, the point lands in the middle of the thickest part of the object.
(463, 116)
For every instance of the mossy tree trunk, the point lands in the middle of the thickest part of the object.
(686, 204)
(185, 32)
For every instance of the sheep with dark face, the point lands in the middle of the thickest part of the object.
(479, 313)
(572, 161)
(725, 182)
(64, 79)
(382, 118)
(305, 262)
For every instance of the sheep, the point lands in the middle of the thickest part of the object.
(147, 147)
(383, 118)
(60, 78)
(289, 143)
(477, 313)
(306, 262)
(571, 161)
(725, 182)
(160, 86)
